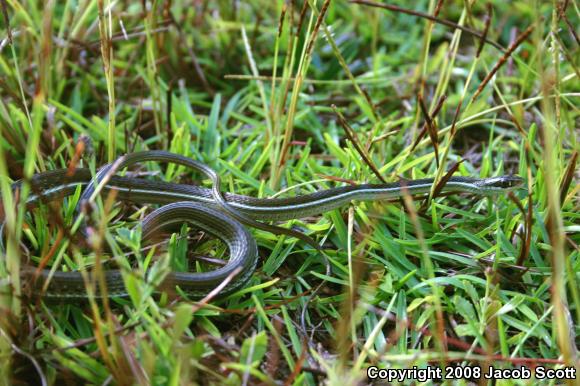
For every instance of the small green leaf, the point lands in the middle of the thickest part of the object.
(182, 319)
(254, 348)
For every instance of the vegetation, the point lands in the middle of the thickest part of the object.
(284, 98)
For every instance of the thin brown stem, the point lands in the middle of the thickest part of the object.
(427, 16)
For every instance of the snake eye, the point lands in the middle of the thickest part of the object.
(504, 182)
(513, 182)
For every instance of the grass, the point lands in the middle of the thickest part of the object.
(284, 98)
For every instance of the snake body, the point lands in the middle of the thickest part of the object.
(222, 215)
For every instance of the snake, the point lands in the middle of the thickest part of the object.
(223, 215)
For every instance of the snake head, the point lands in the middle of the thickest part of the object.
(502, 183)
